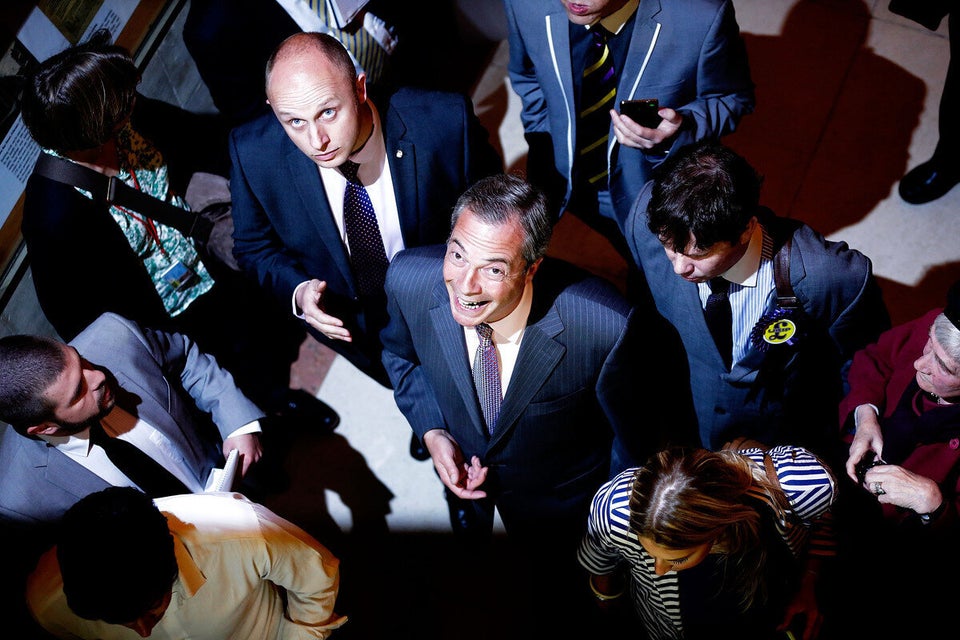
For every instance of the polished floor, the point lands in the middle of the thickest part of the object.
(847, 98)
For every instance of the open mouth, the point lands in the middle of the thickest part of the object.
(470, 306)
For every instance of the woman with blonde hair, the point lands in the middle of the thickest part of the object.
(713, 542)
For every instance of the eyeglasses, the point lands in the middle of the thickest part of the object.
(493, 273)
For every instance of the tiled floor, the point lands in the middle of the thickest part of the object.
(847, 102)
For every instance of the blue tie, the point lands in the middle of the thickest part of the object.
(486, 376)
(367, 255)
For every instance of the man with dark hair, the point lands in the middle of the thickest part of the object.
(150, 389)
(519, 373)
(770, 312)
(212, 566)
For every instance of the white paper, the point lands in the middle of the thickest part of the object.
(224, 479)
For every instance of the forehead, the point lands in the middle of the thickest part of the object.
(309, 76)
(488, 240)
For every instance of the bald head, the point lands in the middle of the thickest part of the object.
(304, 49)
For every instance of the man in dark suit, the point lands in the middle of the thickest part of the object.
(798, 305)
(687, 54)
(416, 150)
(567, 360)
(151, 388)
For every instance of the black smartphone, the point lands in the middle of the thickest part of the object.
(643, 112)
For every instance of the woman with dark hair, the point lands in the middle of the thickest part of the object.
(713, 543)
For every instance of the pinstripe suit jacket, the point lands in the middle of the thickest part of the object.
(575, 385)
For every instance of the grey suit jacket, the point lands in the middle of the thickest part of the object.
(787, 393)
(577, 383)
(165, 380)
(286, 233)
(686, 53)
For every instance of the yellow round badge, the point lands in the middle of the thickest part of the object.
(779, 331)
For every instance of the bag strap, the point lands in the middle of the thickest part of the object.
(110, 190)
(778, 493)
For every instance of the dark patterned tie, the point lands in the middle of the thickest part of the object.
(486, 376)
(367, 255)
(148, 474)
(597, 93)
(356, 39)
(719, 318)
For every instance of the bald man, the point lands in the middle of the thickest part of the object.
(417, 151)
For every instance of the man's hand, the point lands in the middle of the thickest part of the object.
(249, 447)
(631, 134)
(459, 477)
(309, 299)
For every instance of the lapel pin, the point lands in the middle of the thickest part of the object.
(399, 153)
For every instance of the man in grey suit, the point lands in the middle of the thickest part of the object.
(150, 388)
(566, 373)
(687, 54)
(414, 152)
(797, 306)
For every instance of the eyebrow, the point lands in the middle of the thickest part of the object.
(485, 261)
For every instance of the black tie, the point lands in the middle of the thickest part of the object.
(367, 254)
(597, 93)
(719, 318)
(152, 478)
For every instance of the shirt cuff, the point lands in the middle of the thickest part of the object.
(297, 312)
(250, 427)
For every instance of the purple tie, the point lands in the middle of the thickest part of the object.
(367, 255)
(486, 376)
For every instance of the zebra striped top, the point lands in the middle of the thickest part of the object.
(608, 544)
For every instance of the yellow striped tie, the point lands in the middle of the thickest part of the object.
(362, 46)
(597, 93)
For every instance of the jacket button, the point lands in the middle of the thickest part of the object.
(954, 443)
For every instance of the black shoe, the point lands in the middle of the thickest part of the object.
(417, 450)
(307, 412)
(927, 182)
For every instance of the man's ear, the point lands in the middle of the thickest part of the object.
(748, 232)
(45, 429)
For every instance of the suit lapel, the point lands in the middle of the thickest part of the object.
(454, 354)
(403, 170)
(305, 180)
(646, 32)
(557, 28)
(70, 476)
(538, 357)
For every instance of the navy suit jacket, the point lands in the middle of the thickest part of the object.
(787, 393)
(165, 380)
(686, 53)
(577, 383)
(285, 232)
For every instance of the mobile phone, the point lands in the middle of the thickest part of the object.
(643, 112)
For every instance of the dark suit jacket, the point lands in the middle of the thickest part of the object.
(285, 231)
(787, 393)
(165, 380)
(686, 53)
(576, 383)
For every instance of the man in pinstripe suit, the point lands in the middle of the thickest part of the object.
(569, 363)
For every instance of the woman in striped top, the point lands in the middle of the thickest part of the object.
(708, 542)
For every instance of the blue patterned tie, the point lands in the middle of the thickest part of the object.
(486, 376)
(367, 255)
(597, 93)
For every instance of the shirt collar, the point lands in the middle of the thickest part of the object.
(615, 22)
(745, 271)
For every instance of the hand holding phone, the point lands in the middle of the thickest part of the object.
(643, 112)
